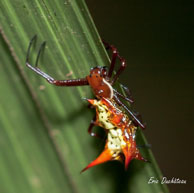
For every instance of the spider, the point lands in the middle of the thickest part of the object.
(101, 80)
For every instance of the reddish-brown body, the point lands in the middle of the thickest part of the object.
(119, 126)
(100, 83)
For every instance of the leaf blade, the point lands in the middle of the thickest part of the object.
(72, 41)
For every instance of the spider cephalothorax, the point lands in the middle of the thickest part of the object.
(99, 82)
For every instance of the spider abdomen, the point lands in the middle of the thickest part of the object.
(120, 142)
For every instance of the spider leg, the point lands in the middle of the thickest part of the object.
(51, 80)
(33, 40)
(92, 124)
(127, 92)
(137, 114)
(136, 120)
(120, 70)
(115, 54)
(114, 57)
(42, 46)
(127, 98)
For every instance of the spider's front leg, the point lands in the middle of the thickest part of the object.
(115, 55)
(51, 80)
(113, 59)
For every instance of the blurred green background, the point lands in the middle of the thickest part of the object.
(157, 40)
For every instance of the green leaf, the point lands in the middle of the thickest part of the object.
(43, 129)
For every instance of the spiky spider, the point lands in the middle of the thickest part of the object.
(121, 132)
(101, 80)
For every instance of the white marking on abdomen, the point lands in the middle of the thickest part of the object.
(110, 87)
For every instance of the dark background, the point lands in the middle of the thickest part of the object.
(157, 40)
